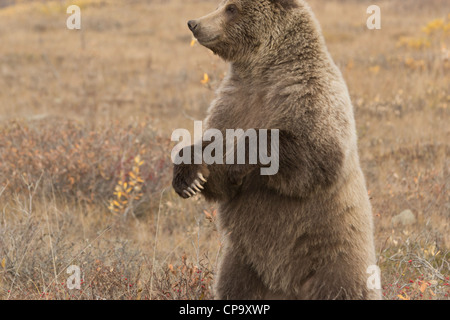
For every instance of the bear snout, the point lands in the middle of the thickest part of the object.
(192, 24)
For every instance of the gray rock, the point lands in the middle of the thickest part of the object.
(405, 218)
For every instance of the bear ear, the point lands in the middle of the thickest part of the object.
(286, 4)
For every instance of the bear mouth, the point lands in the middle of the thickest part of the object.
(208, 40)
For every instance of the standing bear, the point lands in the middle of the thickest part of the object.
(305, 232)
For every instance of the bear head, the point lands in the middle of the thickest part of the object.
(237, 29)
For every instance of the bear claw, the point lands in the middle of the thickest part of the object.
(201, 177)
(187, 193)
(196, 186)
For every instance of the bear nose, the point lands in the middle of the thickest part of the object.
(192, 24)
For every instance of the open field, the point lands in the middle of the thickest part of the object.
(85, 124)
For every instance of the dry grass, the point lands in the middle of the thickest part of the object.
(85, 124)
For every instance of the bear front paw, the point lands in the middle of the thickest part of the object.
(188, 180)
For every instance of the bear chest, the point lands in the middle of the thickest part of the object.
(239, 109)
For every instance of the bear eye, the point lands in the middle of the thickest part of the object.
(231, 8)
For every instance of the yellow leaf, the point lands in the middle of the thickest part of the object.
(374, 69)
(125, 185)
(132, 175)
(193, 41)
(3, 263)
(403, 297)
(205, 78)
(116, 203)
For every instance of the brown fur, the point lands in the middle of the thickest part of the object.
(306, 232)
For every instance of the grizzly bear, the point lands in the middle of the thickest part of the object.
(305, 232)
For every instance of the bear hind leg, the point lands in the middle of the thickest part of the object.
(237, 280)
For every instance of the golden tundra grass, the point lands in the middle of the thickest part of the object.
(85, 124)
